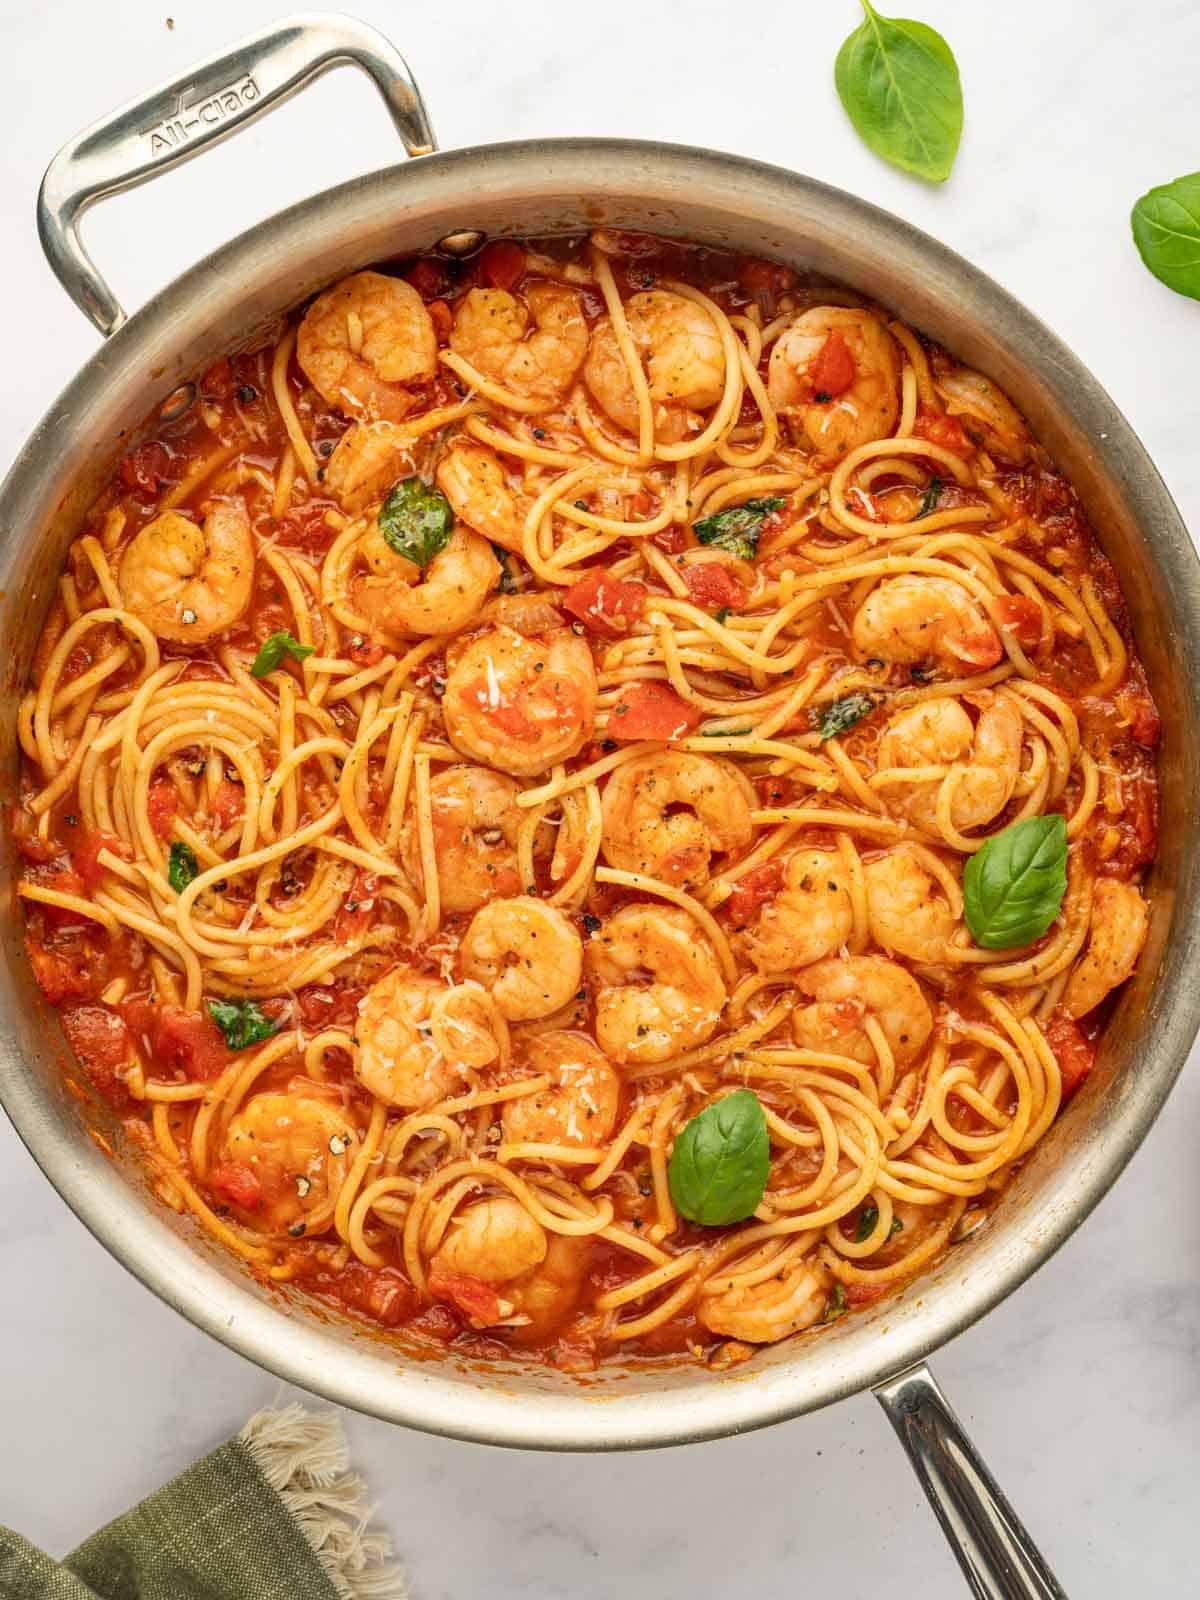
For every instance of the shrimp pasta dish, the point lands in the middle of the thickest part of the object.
(586, 802)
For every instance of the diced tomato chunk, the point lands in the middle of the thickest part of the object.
(228, 803)
(710, 583)
(85, 858)
(1141, 817)
(61, 977)
(178, 1040)
(147, 467)
(758, 886)
(27, 839)
(237, 1184)
(1022, 616)
(219, 382)
(332, 1006)
(428, 277)
(832, 370)
(477, 1300)
(1073, 1050)
(509, 716)
(365, 653)
(652, 711)
(162, 802)
(606, 604)
(358, 909)
(862, 1294)
(1141, 714)
(767, 278)
(673, 539)
(501, 264)
(304, 528)
(981, 649)
(100, 1041)
(944, 431)
(442, 318)
(387, 1296)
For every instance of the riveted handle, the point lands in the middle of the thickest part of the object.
(219, 97)
(998, 1558)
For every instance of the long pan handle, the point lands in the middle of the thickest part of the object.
(998, 1558)
(180, 120)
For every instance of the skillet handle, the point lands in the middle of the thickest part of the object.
(998, 1558)
(219, 97)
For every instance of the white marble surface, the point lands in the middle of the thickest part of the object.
(1084, 1389)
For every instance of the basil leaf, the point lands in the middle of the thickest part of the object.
(898, 81)
(242, 1022)
(725, 733)
(896, 1227)
(718, 1168)
(182, 866)
(737, 528)
(1013, 887)
(416, 520)
(835, 1306)
(273, 649)
(866, 1224)
(842, 714)
(932, 495)
(1166, 230)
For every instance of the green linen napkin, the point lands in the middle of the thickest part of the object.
(274, 1514)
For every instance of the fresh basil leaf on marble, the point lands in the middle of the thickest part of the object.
(899, 83)
(1166, 230)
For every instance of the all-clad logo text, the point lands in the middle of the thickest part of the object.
(191, 118)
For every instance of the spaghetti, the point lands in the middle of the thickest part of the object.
(532, 700)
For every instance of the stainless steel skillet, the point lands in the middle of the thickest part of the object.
(548, 187)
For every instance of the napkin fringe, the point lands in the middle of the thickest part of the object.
(306, 1460)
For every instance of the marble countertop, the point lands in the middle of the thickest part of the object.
(1083, 1390)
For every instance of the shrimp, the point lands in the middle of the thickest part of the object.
(543, 1298)
(475, 827)
(366, 461)
(681, 351)
(364, 342)
(762, 1312)
(499, 1265)
(848, 358)
(810, 918)
(988, 413)
(1119, 924)
(983, 759)
(492, 330)
(906, 914)
(848, 991)
(418, 1038)
(492, 1240)
(188, 583)
(669, 814)
(474, 482)
(526, 953)
(913, 618)
(659, 988)
(286, 1140)
(400, 599)
(521, 704)
(579, 1107)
